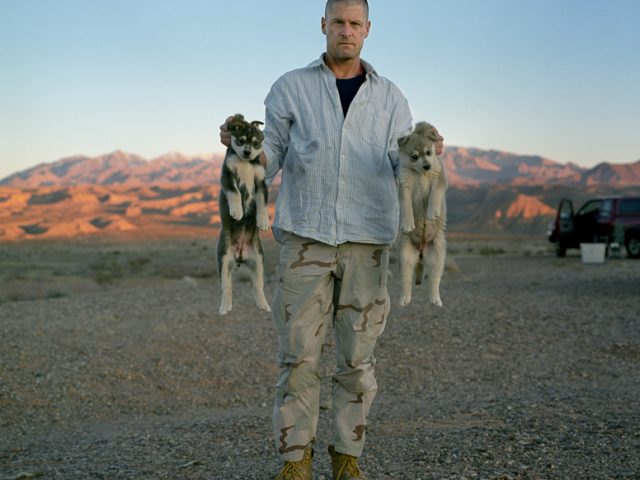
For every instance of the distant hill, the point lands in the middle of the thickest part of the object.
(517, 209)
(125, 194)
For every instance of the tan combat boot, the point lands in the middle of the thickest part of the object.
(345, 467)
(298, 470)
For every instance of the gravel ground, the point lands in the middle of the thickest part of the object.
(531, 370)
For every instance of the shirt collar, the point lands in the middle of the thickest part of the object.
(368, 68)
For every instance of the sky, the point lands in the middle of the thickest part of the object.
(556, 78)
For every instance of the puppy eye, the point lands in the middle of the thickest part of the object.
(256, 144)
(240, 141)
(415, 156)
(428, 153)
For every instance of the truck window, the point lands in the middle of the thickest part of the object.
(590, 207)
(629, 206)
(566, 211)
(606, 209)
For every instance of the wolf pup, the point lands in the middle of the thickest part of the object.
(243, 211)
(423, 212)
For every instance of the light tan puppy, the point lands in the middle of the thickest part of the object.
(423, 213)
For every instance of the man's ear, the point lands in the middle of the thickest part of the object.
(368, 28)
(323, 25)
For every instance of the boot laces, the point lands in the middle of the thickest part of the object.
(350, 466)
(290, 472)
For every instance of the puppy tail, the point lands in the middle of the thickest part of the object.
(419, 271)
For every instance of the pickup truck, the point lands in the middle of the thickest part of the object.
(611, 220)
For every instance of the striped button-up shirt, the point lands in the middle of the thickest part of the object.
(338, 173)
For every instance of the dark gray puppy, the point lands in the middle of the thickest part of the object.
(243, 211)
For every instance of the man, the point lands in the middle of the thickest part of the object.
(332, 128)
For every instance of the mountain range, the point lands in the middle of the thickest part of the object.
(124, 194)
(464, 166)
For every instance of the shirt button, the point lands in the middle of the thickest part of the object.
(343, 157)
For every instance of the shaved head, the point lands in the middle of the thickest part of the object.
(331, 3)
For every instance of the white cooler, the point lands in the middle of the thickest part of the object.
(593, 252)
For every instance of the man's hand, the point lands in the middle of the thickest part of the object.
(439, 141)
(225, 135)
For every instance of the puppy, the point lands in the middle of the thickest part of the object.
(423, 212)
(243, 211)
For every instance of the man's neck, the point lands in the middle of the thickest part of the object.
(347, 69)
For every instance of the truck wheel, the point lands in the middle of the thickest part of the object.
(633, 246)
(561, 249)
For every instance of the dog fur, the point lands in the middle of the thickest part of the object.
(243, 211)
(423, 213)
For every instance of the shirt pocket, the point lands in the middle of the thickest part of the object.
(376, 127)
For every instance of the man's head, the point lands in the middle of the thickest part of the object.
(346, 24)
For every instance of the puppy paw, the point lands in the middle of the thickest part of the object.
(260, 299)
(225, 308)
(436, 301)
(262, 304)
(236, 212)
(408, 227)
(265, 307)
(404, 301)
(263, 222)
(432, 214)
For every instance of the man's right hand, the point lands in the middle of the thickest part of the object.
(225, 135)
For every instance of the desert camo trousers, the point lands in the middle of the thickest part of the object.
(319, 285)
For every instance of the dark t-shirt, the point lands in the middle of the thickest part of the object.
(348, 87)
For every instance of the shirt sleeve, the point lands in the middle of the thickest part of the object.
(401, 125)
(276, 132)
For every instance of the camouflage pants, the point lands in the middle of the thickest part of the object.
(320, 284)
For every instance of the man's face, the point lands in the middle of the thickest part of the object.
(346, 26)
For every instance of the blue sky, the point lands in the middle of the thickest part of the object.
(557, 78)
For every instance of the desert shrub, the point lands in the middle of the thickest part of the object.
(491, 251)
(106, 269)
(56, 294)
(138, 264)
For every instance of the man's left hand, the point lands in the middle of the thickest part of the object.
(439, 141)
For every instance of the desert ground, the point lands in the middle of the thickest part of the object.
(114, 364)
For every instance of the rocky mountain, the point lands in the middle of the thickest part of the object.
(124, 194)
(609, 174)
(120, 168)
(472, 166)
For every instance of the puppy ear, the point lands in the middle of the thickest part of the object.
(402, 141)
(256, 124)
